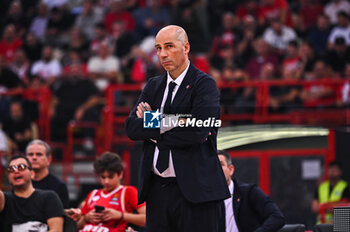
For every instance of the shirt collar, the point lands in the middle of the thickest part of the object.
(179, 79)
(231, 187)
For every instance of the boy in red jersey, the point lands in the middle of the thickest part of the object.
(109, 209)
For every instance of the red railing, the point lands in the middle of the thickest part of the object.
(328, 208)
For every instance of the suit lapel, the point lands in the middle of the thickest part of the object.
(185, 86)
(159, 92)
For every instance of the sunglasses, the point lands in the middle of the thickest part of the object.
(19, 167)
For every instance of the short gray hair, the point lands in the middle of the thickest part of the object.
(40, 142)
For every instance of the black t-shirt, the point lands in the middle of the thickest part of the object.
(22, 214)
(9, 79)
(51, 182)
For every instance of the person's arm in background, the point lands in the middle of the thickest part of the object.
(315, 204)
(55, 224)
(54, 212)
(267, 210)
(2, 201)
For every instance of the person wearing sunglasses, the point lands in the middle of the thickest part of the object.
(26, 208)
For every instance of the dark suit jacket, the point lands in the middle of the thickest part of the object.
(198, 170)
(254, 210)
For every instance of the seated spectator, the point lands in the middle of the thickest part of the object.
(21, 66)
(100, 35)
(74, 98)
(319, 95)
(56, 3)
(307, 15)
(48, 68)
(344, 98)
(18, 127)
(122, 41)
(78, 43)
(278, 36)
(249, 208)
(39, 155)
(9, 43)
(341, 29)
(8, 79)
(249, 7)
(39, 23)
(334, 7)
(308, 58)
(262, 56)
(319, 34)
(89, 17)
(104, 68)
(117, 11)
(292, 63)
(26, 208)
(272, 10)
(223, 42)
(17, 17)
(115, 212)
(32, 47)
(60, 21)
(338, 56)
(150, 19)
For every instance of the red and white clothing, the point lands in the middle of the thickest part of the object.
(123, 198)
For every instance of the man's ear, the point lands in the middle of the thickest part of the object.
(49, 159)
(232, 169)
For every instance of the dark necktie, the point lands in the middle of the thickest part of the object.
(163, 156)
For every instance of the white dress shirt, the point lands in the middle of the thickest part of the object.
(170, 171)
(231, 225)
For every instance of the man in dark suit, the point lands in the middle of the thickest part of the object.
(180, 176)
(249, 209)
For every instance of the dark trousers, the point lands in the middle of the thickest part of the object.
(168, 211)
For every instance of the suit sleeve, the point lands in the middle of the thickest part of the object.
(134, 125)
(205, 105)
(268, 212)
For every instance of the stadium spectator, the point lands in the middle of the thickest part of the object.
(122, 41)
(150, 19)
(292, 65)
(48, 68)
(78, 43)
(334, 7)
(319, 95)
(278, 36)
(9, 43)
(32, 47)
(90, 16)
(319, 34)
(117, 11)
(308, 58)
(18, 127)
(341, 29)
(39, 23)
(55, 3)
(118, 202)
(104, 68)
(39, 155)
(8, 79)
(74, 98)
(26, 208)
(332, 190)
(21, 66)
(223, 43)
(249, 7)
(100, 36)
(263, 55)
(248, 208)
(307, 15)
(16, 17)
(272, 10)
(338, 56)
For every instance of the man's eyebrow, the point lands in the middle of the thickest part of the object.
(166, 43)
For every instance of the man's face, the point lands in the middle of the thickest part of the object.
(36, 154)
(20, 175)
(334, 173)
(110, 180)
(227, 169)
(16, 111)
(172, 53)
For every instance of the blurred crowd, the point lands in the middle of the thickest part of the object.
(77, 48)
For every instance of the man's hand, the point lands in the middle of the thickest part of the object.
(73, 213)
(141, 108)
(111, 214)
